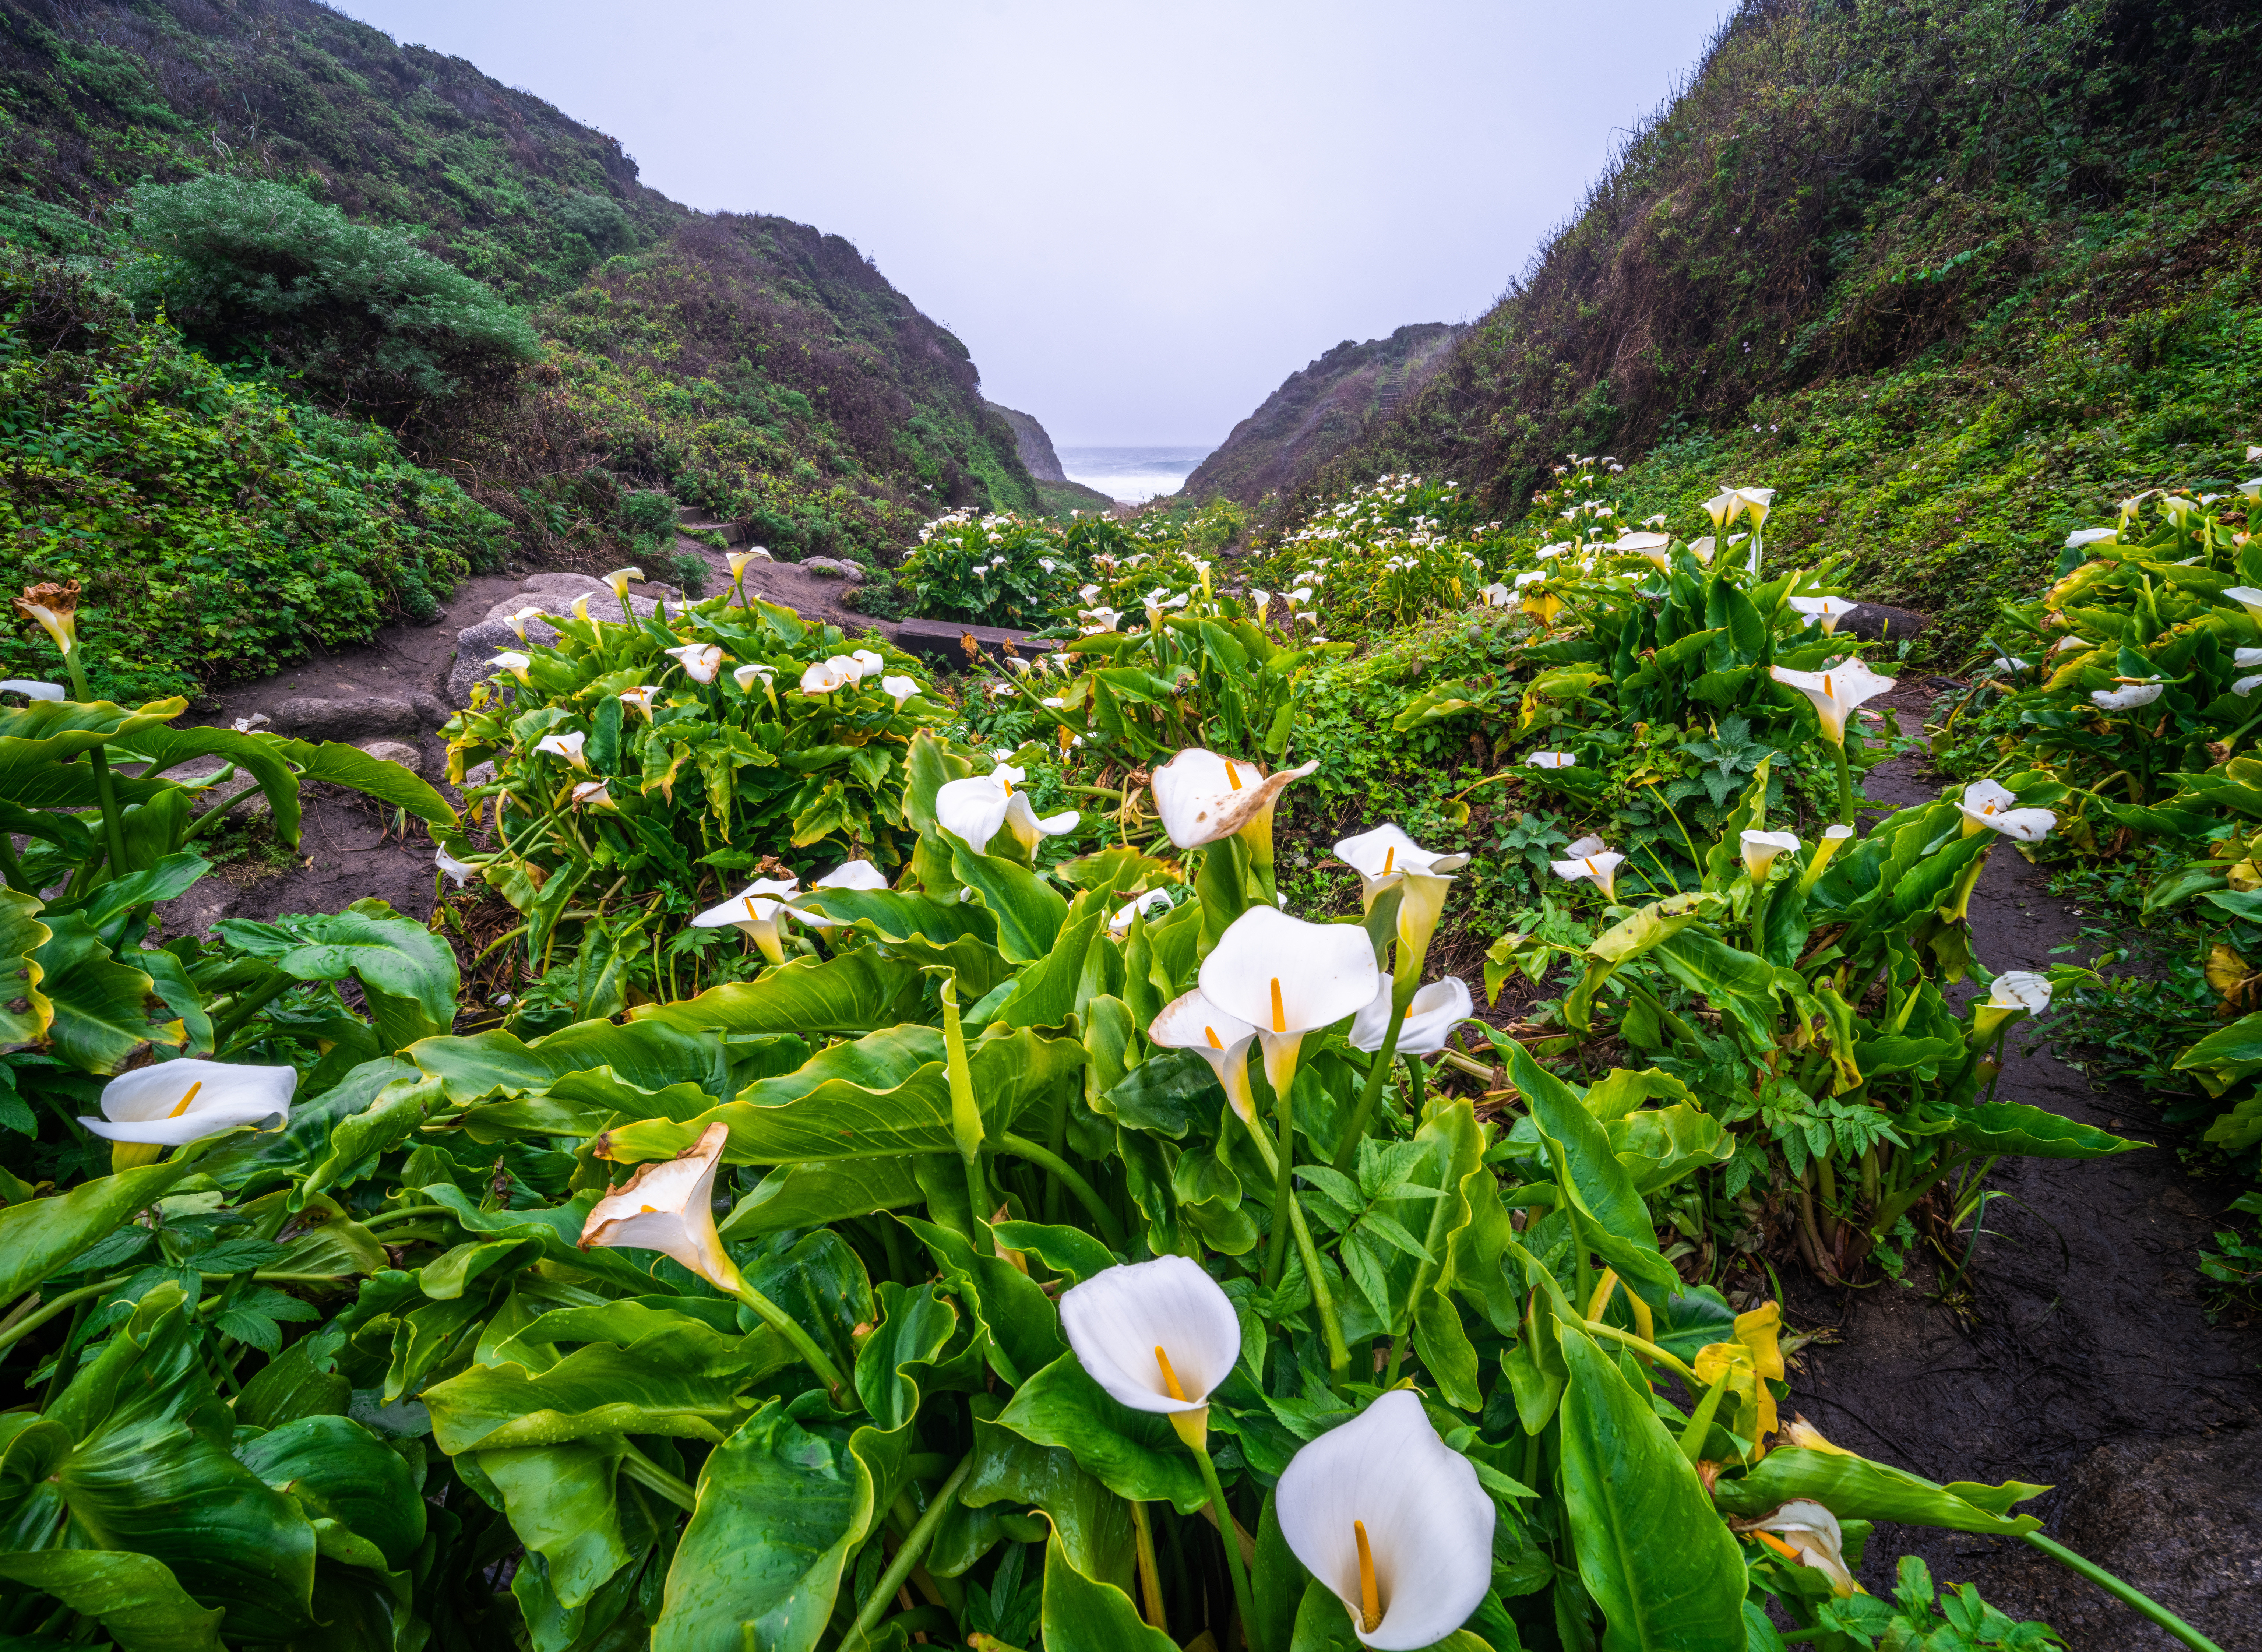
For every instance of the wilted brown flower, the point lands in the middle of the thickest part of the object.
(56, 609)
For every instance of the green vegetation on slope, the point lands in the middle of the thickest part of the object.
(390, 232)
(1945, 272)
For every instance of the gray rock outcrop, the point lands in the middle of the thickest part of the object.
(552, 593)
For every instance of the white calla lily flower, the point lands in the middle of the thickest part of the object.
(1828, 610)
(2080, 538)
(1835, 692)
(899, 688)
(619, 581)
(1160, 1336)
(2248, 598)
(1702, 549)
(823, 676)
(513, 662)
(856, 874)
(1805, 1530)
(1430, 1017)
(32, 690)
(976, 807)
(594, 794)
(1655, 546)
(1761, 849)
(2014, 995)
(753, 913)
(1591, 861)
(745, 676)
(1385, 857)
(1220, 1037)
(1204, 799)
(700, 660)
(461, 871)
(867, 663)
(2246, 658)
(1553, 760)
(1153, 900)
(669, 1206)
(2127, 698)
(741, 560)
(172, 1103)
(1988, 804)
(567, 746)
(1287, 978)
(2243, 688)
(1393, 1520)
(1495, 596)
(639, 698)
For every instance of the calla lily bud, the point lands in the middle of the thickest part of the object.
(618, 581)
(1159, 1337)
(1219, 1038)
(1760, 848)
(1286, 978)
(2015, 995)
(1833, 839)
(753, 913)
(1391, 1520)
(176, 1102)
(1801, 1432)
(669, 1206)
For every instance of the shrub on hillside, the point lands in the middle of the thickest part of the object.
(217, 528)
(257, 270)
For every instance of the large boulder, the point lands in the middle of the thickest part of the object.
(553, 592)
(1873, 622)
(367, 716)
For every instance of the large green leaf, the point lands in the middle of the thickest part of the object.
(857, 991)
(146, 1475)
(884, 1095)
(336, 1469)
(388, 782)
(780, 1509)
(1652, 1554)
(648, 1054)
(2016, 1127)
(101, 1007)
(1029, 910)
(819, 1191)
(255, 753)
(562, 1503)
(674, 1381)
(1084, 1615)
(408, 974)
(21, 935)
(1609, 1216)
(39, 1237)
(134, 1598)
(1855, 1489)
(1088, 1519)
(1135, 1455)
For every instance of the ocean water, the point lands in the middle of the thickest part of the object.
(1132, 474)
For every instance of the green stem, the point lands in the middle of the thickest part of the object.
(803, 1342)
(31, 1323)
(1594, 1327)
(1082, 1191)
(11, 868)
(1242, 1598)
(1377, 1075)
(104, 788)
(907, 1557)
(1323, 1297)
(647, 1473)
(2136, 1599)
(406, 1212)
(1284, 1192)
(1845, 784)
(1902, 1202)
(1425, 1272)
(247, 1006)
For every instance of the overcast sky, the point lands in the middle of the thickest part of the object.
(1140, 218)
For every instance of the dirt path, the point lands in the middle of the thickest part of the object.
(2080, 1355)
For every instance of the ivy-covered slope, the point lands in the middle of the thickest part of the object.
(1951, 274)
(750, 365)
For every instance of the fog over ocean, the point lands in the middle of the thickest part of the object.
(1132, 474)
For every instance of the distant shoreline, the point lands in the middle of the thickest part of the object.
(1133, 475)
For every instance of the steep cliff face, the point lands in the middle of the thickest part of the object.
(1034, 446)
(1320, 412)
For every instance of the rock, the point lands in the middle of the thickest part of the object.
(540, 586)
(480, 774)
(409, 757)
(834, 568)
(1871, 621)
(359, 720)
(478, 644)
(194, 769)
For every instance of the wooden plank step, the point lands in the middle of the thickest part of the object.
(947, 641)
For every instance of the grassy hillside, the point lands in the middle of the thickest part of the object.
(757, 367)
(1949, 275)
(1318, 412)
